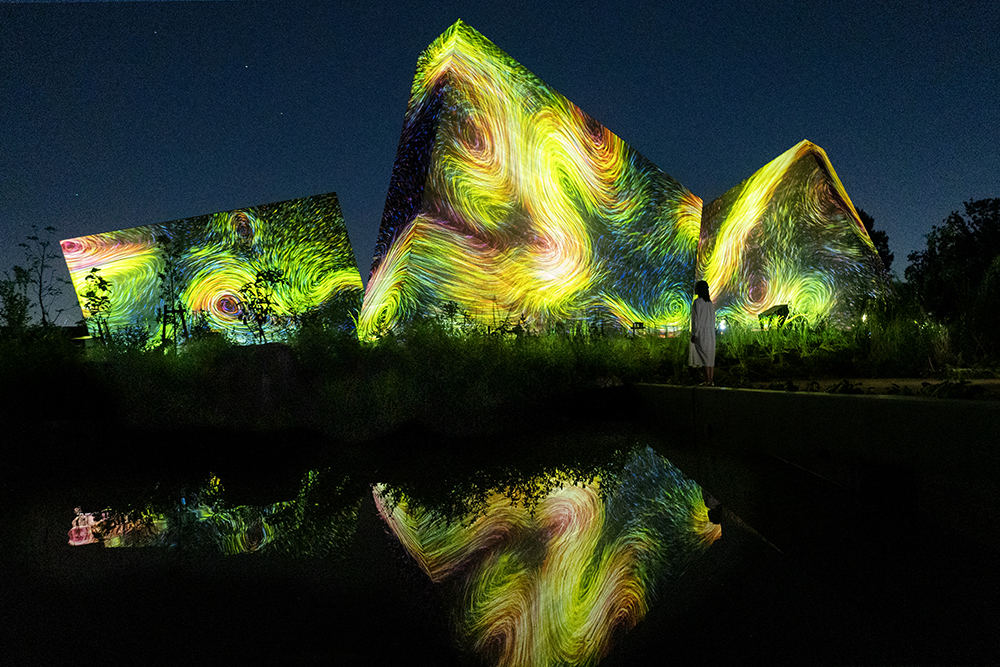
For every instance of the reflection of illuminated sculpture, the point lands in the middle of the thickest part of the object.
(788, 235)
(82, 531)
(510, 201)
(209, 259)
(304, 526)
(554, 586)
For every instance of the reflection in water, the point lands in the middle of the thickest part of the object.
(316, 523)
(553, 586)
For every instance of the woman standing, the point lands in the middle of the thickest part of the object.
(702, 348)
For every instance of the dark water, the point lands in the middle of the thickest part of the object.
(742, 602)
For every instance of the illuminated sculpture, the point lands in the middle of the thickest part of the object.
(202, 270)
(789, 235)
(509, 201)
(556, 585)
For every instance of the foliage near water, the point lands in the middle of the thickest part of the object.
(443, 408)
(444, 414)
(449, 379)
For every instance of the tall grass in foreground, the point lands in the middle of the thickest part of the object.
(874, 345)
(460, 382)
(443, 416)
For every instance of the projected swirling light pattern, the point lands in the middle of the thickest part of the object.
(306, 526)
(553, 586)
(215, 257)
(509, 201)
(789, 235)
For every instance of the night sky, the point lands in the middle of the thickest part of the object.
(115, 115)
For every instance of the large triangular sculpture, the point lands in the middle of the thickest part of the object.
(789, 235)
(512, 203)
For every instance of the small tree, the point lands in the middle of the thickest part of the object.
(97, 301)
(257, 299)
(171, 286)
(879, 238)
(40, 271)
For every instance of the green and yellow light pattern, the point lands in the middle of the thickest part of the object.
(509, 200)
(214, 257)
(788, 235)
(554, 585)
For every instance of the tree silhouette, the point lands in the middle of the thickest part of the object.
(40, 255)
(258, 302)
(879, 238)
(949, 275)
(15, 306)
(97, 301)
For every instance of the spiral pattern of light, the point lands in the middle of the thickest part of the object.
(215, 257)
(788, 235)
(511, 201)
(88, 251)
(552, 587)
(128, 259)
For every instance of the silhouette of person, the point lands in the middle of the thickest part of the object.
(701, 352)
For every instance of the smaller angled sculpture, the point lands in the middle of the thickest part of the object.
(789, 235)
(217, 270)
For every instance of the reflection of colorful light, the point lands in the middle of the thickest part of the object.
(82, 531)
(509, 200)
(554, 586)
(208, 523)
(788, 235)
(215, 256)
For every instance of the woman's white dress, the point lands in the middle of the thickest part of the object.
(702, 353)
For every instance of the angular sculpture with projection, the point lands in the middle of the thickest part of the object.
(511, 202)
(506, 203)
(248, 273)
(789, 236)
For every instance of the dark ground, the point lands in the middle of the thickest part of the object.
(743, 602)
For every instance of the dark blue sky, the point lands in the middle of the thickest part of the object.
(116, 114)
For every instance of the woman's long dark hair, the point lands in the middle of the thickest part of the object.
(701, 289)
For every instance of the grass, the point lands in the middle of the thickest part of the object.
(442, 417)
(454, 383)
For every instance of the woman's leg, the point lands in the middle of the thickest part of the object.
(710, 374)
